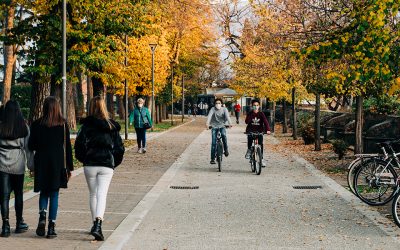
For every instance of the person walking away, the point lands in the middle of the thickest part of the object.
(14, 155)
(141, 119)
(218, 118)
(256, 122)
(195, 110)
(50, 141)
(100, 148)
(237, 109)
(189, 109)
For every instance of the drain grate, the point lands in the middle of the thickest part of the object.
(307, 187)
(184, 187)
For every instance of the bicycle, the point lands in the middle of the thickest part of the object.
(375, 180)
(396, 204)
(256, 154)
(219, 148)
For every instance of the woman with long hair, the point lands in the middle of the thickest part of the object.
(52, 163)
(100, 148)
(14, 154)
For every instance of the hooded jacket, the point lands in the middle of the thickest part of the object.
(99, 144)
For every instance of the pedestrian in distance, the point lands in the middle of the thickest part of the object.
(189, 109)
(141, 119)
(218, 118)
(256, 122)
(237, 109)
(50, 141)
(14, 155)
(194, 110)
(100, 148)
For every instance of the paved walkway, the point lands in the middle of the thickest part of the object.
(234, 209)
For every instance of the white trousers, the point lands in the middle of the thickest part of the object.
(98, 180)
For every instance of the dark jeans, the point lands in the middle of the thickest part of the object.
(44, 198)
(141, 137)
(9, 183)
(237, 115)
(260, 142)
(214, 141)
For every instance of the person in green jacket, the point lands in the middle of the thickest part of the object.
(141, 120)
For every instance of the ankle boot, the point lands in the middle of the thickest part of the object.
(21, 226)
(5, 229)
(93, 227)
(51, 231)
(97, 233)
(41, 228)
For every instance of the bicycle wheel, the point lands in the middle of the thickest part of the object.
(252, 161)
(258, 160)
(352, 170)
(396, 208)
(375, 183)
(219, 156)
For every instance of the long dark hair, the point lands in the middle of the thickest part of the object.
(13, 125)
(52, 115)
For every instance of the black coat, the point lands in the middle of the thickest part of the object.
(98, 144)
(48, 144)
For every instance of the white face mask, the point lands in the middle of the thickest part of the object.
(140, 105)
(218, 106)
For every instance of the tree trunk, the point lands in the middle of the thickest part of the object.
(9, 53)
(130, 104)
(39, 92)
(285, 126)
(80, 108)
(55, 89)
(273, 110)
(294, 115)
(358, 148)
(149, 106)
(317, 123)
(98, 87)
(71, 118)
(121, 107)
(110, 105)
(89, 92)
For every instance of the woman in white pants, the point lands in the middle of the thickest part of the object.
(99, 147)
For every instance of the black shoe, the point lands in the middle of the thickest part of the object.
(237, 122)
(5, 229)
(41, 228)
(21, 226)
(51, 231)
(226, 153)
(97, 233)
(212, 161)
(92, 229)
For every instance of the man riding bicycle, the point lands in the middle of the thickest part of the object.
(256, 122)
(218, 118)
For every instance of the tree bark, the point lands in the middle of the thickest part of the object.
(121, 107)
(358, 148)
(294, 115)
(9, 53)
(71, 118)
(110, 105)
(39, 92)
(317, 123)
(80, 107)
(89, 92)
(285, 125)
(55, 89)
(98, 87)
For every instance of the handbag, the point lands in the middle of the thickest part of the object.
(146, 123)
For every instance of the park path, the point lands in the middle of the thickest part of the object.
(236, 209)
(132, 180)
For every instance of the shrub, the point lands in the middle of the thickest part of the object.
(340, 148)
(307, 133)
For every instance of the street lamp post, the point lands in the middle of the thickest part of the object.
(126, 88)
(64, 59)
(183, 98)
(172, 94)
(153, 47)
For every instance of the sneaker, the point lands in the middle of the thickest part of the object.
(237, 122)
(144, 150)
(140, 151)
(248, 153)
(226, 153)
(212, 161)
(263, 163)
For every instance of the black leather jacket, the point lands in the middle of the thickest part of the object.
(98, 144)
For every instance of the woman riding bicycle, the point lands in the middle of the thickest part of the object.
(218, 118)
(256, 122)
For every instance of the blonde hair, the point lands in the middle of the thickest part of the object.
(98, 109)
(140, 100)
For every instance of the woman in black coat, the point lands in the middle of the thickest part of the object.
(52, 165)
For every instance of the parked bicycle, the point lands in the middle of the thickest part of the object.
(375, 179)
(256, 155)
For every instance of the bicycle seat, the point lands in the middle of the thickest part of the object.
(388, 143)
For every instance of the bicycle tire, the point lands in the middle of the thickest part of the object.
(396, 208)
(252, 161)
(352, 170)
(258, 160)
(219, 156)
(363, 190)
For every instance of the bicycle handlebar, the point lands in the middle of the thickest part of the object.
(226, 126)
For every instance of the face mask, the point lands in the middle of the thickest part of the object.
(218, 106)
(256, 107)
(140, 105)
